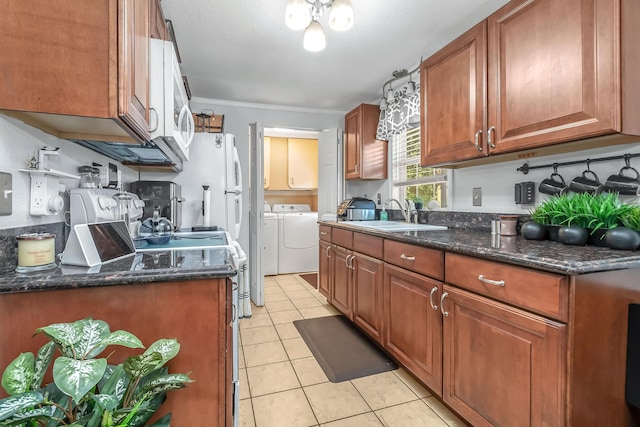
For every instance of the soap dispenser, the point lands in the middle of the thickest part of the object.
(384, 215)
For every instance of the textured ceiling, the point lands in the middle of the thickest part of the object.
(241, 50)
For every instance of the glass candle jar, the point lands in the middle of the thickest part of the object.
(508, 225)
(36, 251)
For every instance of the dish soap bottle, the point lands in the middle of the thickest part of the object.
(384, 215)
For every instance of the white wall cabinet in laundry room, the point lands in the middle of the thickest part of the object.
(303, 163)
(290, 164)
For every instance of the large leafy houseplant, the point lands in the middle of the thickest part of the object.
(86, 390)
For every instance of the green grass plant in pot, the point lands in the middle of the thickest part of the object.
(600, 213)
(86, 391)
(547, 217)
(626, 237)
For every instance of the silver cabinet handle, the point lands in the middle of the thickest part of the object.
(478, 147)
(433, 291)
(323, 233)
(491, 144)
(357, 167)
(444, 295)
(407, 257)
(235, 313)
(328, 252)
(353, 257)
(155, 128)
(491, 282)
(348, 260)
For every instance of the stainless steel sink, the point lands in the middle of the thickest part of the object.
(392, 226)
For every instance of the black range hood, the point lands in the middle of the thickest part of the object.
(151, 153)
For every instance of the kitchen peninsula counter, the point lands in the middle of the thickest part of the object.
(462, 307)
(182, 294)
(541, 255)
(143, 267)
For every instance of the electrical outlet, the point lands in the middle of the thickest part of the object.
(38, 195)
(6, 193)
(477, 196)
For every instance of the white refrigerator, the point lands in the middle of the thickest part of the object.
(214, 163)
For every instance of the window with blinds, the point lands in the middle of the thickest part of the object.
(411, 180)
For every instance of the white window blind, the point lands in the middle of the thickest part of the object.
(406, 161)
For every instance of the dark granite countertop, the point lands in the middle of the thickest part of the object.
(542, 255)
(143, 267)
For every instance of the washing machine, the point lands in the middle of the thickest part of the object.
(270, 242)
(297, 238)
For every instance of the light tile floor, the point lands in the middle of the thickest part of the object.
(283, 385)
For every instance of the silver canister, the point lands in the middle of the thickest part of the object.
(495, 226)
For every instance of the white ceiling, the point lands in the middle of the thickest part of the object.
(241, 50)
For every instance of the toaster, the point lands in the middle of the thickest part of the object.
(357, 209)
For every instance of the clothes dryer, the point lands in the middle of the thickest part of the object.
(297, 238)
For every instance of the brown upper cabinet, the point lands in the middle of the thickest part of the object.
(365, 157)
(157, 24)
(77, 72)
(535, 73)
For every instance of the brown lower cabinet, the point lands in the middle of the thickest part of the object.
(341, 279)
(367, 303)
(150, 311)
(325, 264)
(412, 327)
(501, 366)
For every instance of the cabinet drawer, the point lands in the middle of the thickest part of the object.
(543, 293)
(325, 233)
(342, 238)
(425, 261)
(368, 245)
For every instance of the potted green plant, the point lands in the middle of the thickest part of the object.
(87, 391)
(549, 215)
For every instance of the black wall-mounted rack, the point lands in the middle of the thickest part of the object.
(525, 168)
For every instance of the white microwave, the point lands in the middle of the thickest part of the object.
(170, 117)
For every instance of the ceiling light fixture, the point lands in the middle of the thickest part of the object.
(301, 14)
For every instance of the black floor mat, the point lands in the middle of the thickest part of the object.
(343, 352)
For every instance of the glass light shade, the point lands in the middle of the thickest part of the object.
(297, 15)
(383, 104)
(390, 94)
(410, 88)
(314, 39)
(341, 15)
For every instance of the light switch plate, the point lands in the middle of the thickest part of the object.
(6, 193)
(477, 196)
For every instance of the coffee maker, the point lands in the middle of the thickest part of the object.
(166, 195)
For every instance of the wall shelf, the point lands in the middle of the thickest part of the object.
(49, 172)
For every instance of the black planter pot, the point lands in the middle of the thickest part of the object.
(596, 237)
(531, 230)
(552, 232)
(573, 235)
(622, 238)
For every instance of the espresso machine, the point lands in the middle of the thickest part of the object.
(166, 195)
(90, 205)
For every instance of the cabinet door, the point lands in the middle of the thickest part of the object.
(502, 366)
(341, 280)
(352, 145)
(157, 25)
(266, 152)
(553, 72)
(412, 328)
(367, 295)
(324, 268)
(303, 163)
(133, 65)
(453, 93)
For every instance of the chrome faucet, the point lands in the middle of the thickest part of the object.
(402, 208)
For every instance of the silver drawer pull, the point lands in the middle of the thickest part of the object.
(491, 282)
(433, 291)
(444, 295)
(408, 258)
(323, 233)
